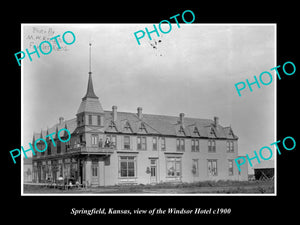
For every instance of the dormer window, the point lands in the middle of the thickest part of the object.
(127, 127)
(196, 132)
(90, 120)
(142, 128)
(112, 125)
(181, 130)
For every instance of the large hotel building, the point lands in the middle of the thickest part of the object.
(108, 147)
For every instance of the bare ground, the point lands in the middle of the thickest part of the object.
(210, 187)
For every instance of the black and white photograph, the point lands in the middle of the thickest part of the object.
(151, 112)
(162, 117)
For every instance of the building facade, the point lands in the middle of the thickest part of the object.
(112, 147)
(27, 170)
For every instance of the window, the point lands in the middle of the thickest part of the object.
(94, 169)
(141, 143)
(154, 143)
(196, 132)
(58, 147)
(181, 131)
(163, 144)
(195, 145)
(127, 166)
(173, 167)
(99, 120)
(142, 128)
(111, 141)
(126, 142)
(212, 167)
(144, 144)
(230, 146)
(230, 167)
(48, 170)
(211, 146)
(112, 125)
(90, 120)
(80, 138)
(94, 139)
(67, 146)
(180, 144)
(195, 167)
(67, 169)
(127, 127)
(49, 148)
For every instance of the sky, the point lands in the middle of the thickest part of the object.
(193, 70)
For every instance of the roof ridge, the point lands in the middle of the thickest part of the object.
(150, 114)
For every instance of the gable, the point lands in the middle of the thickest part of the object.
(181, 131)
(212, 133)
(195, 132)
(142, 128)
(112, 127)
(127, 127)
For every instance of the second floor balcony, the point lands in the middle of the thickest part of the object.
(82, 148)
(78, 148)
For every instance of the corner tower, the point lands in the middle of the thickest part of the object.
(90, 115)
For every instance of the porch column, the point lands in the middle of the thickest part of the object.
(88, 171)
(101, 174)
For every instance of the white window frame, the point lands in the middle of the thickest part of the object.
(122, 159)
(124, 137)
(210, 167)
(176, 161)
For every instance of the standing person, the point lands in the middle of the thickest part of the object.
(107, 143)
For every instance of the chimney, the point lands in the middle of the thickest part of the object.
(139, 112)
(114, 113)
(216, 121)
(61, 120)
(181, 119)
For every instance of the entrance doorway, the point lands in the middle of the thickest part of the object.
(153, 171)
(95, 174)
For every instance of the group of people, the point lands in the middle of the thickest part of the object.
(65, 181)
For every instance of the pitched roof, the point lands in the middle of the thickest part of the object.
(90, 89)
(90, 105)
(153, 124)
(90, 102)
(70, 124)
